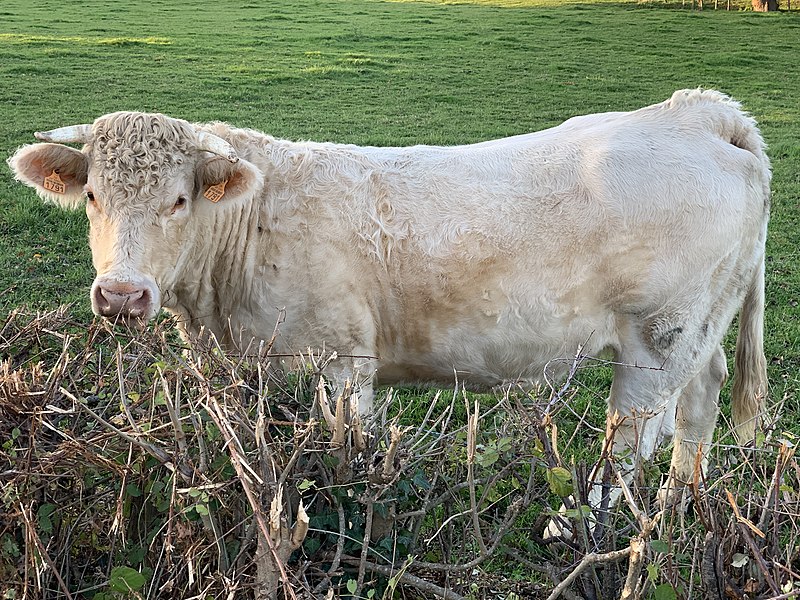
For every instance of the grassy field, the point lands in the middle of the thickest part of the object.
(385, 73)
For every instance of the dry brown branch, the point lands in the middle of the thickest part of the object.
(173, 409)
(472, 436)
(357, 431)
(339, 427)
(30, 530)
(337, 557)
(638, 543)
(209, 519)
(123, 396)
(269, 581)
(362, 564)
(747, 527)
(322, 401)
(389, 470)
(154, 451)
(785, 454)
(426, 587)
(586, 561)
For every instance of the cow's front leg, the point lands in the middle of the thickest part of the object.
(357, 372)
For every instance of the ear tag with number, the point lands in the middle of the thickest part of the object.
(216, 192)
(53, 183)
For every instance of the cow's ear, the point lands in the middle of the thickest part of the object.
(57, 173)
(223, 182)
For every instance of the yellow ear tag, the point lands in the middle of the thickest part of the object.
(53, 183)
(216, 192)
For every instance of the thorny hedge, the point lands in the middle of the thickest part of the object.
(134, 467)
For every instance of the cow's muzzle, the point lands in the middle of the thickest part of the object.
(120, 299)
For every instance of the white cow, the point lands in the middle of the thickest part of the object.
(641, 233)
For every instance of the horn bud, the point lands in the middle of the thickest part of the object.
(216, 145)
(73, 134)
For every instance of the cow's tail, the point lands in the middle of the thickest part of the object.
(723, 115)
(750, 366)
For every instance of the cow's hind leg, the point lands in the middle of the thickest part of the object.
(641, 413)
(649, 378)
(698, 407)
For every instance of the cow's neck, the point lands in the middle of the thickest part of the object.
(215, 291)
(241, 277)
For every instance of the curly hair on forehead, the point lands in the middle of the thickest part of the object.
(138, 151)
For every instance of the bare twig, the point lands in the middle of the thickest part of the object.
(746, 526)
(154, 451)
(588, 560)
(337, 557)
(472, 437)
(216, 413)
(420, 584)
(362, 565)
(31, 530)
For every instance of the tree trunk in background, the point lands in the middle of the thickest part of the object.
(765, 5)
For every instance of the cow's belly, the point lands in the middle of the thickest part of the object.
(516, 350)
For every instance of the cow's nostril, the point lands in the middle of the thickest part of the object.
(122, 299)
(139, 304)
(100, 300)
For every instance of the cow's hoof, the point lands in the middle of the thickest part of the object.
(558, 528)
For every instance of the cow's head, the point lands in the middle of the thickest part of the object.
(145, 180)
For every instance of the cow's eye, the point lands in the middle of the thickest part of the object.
(180, 202)
(90, 196)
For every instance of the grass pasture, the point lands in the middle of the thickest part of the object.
(378, 73)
